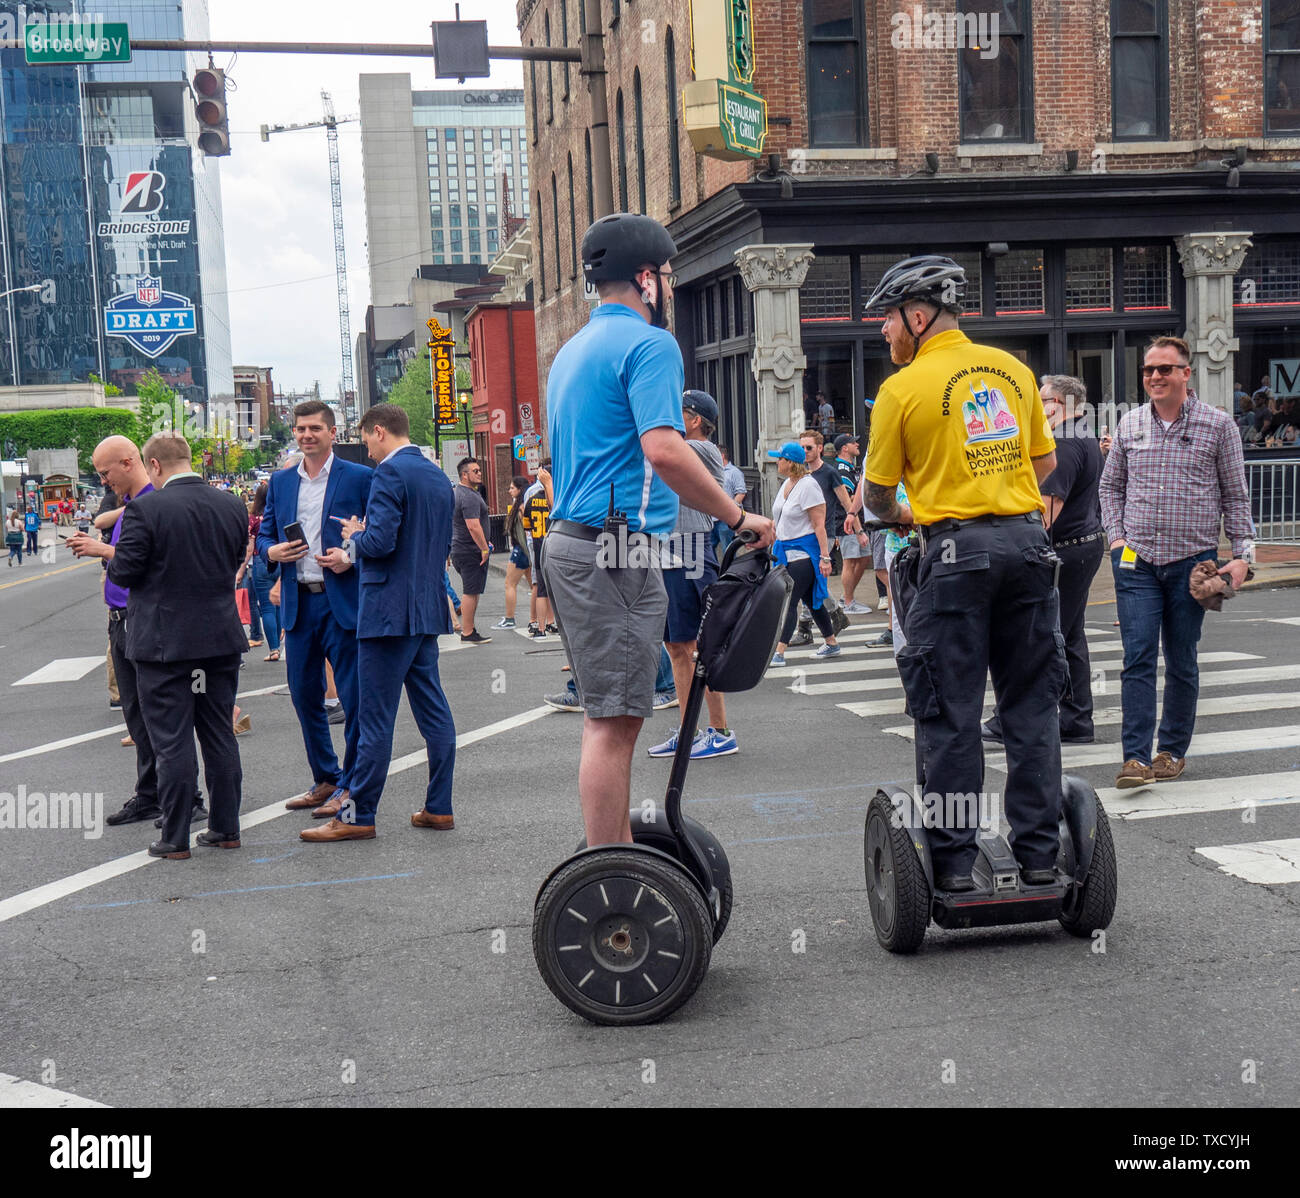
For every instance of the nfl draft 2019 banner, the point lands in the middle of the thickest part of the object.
(149, 318)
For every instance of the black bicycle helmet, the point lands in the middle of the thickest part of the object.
(616, 246)
(928, 277)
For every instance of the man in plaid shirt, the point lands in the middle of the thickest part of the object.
(1174, 470)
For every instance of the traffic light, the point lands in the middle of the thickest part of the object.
(214, 122)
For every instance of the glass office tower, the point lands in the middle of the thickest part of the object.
(102, 190)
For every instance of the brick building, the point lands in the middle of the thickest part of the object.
(1105, 169)
(503, 366)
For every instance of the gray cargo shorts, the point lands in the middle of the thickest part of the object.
(611, 622)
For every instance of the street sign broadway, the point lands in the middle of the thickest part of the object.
(68, 40)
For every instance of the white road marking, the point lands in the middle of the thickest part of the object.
(1204, 744)
(116, 730)
(849, 686)
(1284, 620)
(14, 1092)
(1267, 862)
(62, 669)
(30, 900)
(1207, 794)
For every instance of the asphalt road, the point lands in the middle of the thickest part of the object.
(400, 970)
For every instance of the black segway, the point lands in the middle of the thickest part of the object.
(900, 877)
(622, 934)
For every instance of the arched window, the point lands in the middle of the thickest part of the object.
(564, 39)
(550, 76)
(591, 198)
(555, 227)
(674, 129)
(573, 227)
(532, 85)
(638, 116)
(620, 126)
(539, 235)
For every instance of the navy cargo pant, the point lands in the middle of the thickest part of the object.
(986, 605)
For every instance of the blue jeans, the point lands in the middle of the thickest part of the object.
(260, 603)
(722, 537)
(451, 590)
(1155, 605)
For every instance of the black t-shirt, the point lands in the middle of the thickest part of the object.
(1074, 482)
(828, 479)
(849, 474)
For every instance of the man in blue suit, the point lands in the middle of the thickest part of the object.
(318, 594)
(401, 549)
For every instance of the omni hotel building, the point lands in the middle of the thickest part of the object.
(443, 170)
(1106, 170)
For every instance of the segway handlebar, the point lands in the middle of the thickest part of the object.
(746, 536)
(881, 526)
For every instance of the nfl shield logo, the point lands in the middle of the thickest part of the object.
(148, 290)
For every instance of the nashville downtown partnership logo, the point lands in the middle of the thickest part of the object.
(149, 318)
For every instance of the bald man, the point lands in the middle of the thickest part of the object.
(117, 462)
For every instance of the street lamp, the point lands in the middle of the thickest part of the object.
(21, 290)
(466, 406)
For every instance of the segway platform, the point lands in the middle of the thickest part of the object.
(623, 934)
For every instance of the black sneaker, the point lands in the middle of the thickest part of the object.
(536, 633)
(335, 714)
(133, 813)
(552, 630)
(991, 732)
(115, 703)
(475, 638)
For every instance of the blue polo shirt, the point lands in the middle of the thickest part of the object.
(614, 380)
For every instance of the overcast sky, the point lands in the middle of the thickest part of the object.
(276, 195)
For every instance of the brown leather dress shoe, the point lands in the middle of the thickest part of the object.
(318, 794)
(1134, 774)
(330, 809)
(426, 819)
(336, 829)
(1165, 767)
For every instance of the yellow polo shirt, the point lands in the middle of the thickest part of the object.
(959, 426)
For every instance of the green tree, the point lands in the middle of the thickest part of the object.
(161, 408)
(411, 393)
(110, 389)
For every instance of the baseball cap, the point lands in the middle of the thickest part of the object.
(792, 451)
(843, 439)
(702, 404)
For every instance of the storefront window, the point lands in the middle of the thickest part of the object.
(1088, 282)
(1091, 357)
(1146, 277)
(1269, 274)
(825, 292)
(830, 372)
(1019, 283)
(1282, 66)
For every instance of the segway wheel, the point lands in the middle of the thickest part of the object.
(897, 890)
(657, 836)
(1092, 906)
(622, 936)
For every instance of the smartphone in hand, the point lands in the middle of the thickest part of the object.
(293, 531)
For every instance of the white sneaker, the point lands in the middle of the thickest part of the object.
(883, 605)
(856, 609)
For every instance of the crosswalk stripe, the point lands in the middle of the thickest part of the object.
(1225, 705)
(1204, 744)
(835, 666)
(62, 669)
(1295, 620)
(1201, 794)
(1267, 862)
(14, 1092)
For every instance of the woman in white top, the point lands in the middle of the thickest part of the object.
(799, 513)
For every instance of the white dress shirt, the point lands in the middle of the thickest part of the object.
(311, 510)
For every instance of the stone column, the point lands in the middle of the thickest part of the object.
(774, 274)
(1209, 261)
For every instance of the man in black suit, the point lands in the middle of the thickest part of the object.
(179, 550)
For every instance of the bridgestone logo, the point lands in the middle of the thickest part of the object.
(149, 228)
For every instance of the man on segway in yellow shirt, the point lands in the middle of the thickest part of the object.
(963, 426)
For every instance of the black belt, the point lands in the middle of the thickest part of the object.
(584, 532)
(316, 588)
(950, 525)
(1092, 536)
(116, 614)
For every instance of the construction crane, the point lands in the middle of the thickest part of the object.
(331, 124)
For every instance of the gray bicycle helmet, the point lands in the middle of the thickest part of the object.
(616, 246)
(931, 278)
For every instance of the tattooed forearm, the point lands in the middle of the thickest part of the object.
(882, 502)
